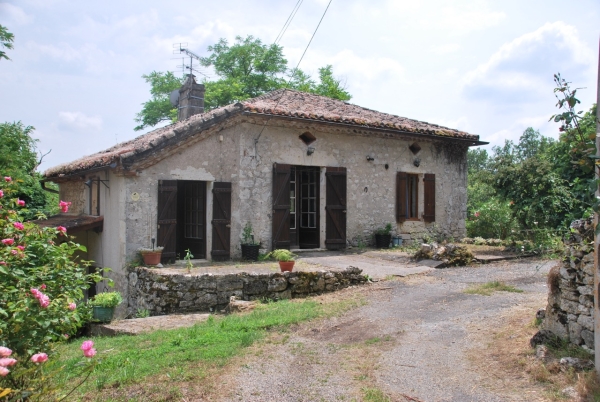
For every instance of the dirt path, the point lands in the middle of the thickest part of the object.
(416, 339)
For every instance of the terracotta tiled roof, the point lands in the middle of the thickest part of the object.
(284, 103)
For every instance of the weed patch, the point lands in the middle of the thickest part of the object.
(375, 395)
(486, 289)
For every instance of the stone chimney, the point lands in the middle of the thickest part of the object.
(191, 99)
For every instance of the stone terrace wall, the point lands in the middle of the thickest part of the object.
(176, 293)
(570, 310)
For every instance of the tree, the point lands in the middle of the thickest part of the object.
(6, 41)
(245, 69)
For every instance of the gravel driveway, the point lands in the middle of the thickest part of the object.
(410, 341)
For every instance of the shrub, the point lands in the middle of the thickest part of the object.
(493, 219)
(106, 299)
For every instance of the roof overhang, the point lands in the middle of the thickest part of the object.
(73, 223)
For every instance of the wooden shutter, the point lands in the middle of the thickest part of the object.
(335, 208)
(401, 197)
(167, 219)
(221, 222)
(281, 206)
(429, 198)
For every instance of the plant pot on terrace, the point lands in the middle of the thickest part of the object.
(383, 236)
(103, 305)
(151, 256)
(250, 248)
(285, 258)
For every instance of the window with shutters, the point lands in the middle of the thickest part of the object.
(408, 188)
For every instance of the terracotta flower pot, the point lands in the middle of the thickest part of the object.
(152, 258)
(286, 266)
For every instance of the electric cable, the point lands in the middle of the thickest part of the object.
(288, 21)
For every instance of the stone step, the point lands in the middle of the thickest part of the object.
(136, 326)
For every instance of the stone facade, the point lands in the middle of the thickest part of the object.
(161, 293)
(570, 310)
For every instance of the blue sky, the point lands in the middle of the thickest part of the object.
(481, 66)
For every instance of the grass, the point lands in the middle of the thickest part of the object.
(188, 353)
(486, 289)
(375, 395)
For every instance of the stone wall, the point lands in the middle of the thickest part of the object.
(162, 293)
(570, 310)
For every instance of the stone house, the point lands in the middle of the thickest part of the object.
(305, 170)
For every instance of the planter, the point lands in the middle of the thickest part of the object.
(383, 240)
(152, 257)
(250, 252)
(103, 314)
(286, 266)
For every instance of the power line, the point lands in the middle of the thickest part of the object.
(288, 21)
(292, 76)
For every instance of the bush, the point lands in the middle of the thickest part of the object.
(42, 286)
(493, 220)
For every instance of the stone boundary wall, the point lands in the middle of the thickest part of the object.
(570, 310)
(180, 293)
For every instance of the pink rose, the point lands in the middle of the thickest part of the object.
(18, 225)
(87, 345)
(7, 179)
(39, 358)
(62, 229)
(89, 352)
(8, 242)
(4, 371)
(64, 206)
(20, 203)
(476, 214)
(22, 248)
(14, 252)
(1, 193)
(5, 352)
(72, 306)
(43, 286)
(7, 362)
(44, 301)
(2, 262)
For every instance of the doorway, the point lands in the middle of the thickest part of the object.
(304, 207)
(191, 218)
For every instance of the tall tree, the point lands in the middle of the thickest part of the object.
(6, 41)
(245, 69)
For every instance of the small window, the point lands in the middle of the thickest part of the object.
(94, 196)
(308, 138)
(412, 196)
(415, 148)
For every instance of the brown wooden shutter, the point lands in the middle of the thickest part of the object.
(221, 222)
(335, 208)
(429, 198)
(401, 197)
(281, 206)
(167, 219)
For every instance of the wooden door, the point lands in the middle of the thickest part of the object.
(191, 215)
(335, 207)
(281, 206)
(167, 219)
(308, 206)
(221, 222)
(429, 197)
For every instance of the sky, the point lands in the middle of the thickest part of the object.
(485, 67)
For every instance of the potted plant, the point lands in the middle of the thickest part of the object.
(383, 236)
(285, 257)
(249, 246)
(151, 256)
(103, 305)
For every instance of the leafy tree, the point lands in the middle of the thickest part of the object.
(6, 41)
(245, 69)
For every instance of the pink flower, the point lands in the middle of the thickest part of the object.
(1, 193)
(14, 252)
(22, 248)
(476, 214)
(66, 336)
(90, 352)
(20, 203)
(18, 225)
(43, 286)
(5, 352)
(7, 362)
(87, 345)
(7, 179)
(2, 262)
(35, 292)
(72, 306)
(4, 371)
(64, 206)
(39, 357)
(8, 242)
(62, 229)
(44, 301)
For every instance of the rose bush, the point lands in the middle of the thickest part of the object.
(42, 289)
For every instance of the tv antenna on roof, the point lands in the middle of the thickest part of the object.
(181, 48)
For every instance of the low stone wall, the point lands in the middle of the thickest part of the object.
(570, 310)
(179, 293)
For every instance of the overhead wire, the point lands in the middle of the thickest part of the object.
(292, 76)
(288, 21)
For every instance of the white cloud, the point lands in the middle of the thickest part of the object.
(523, 68)
(461, 20)
(447, 48)
(77, 121)
(14, 14)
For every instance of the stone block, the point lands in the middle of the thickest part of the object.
(223, 297)
(286, 294)
(569, 306)
(588, 338)
(186, 304)
(570, 295)
(575, 332)
(585, 290)
(584, 310)
(567, 274)
(227, 283)
(206, 299)
(133, 279)
(587, 301)
(586, 322)
(277, 284)
(255, 286)
(555, 322)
